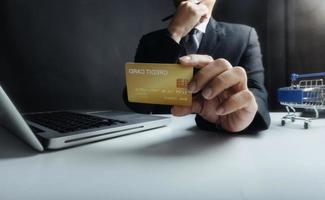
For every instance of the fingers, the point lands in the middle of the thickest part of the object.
(217, 78)
(197, 2)
(197, 105)
(195, 60)
(242, 99)
(208, 73)
(195, 8)
(187, 16)
(233, 77)
(181, 110)
(202, 10)
(204, 18)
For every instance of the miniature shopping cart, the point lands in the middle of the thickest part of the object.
(307, 91)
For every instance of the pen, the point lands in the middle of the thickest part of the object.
(168, 18)
(171, 16)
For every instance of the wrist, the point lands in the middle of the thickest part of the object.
(176, 35)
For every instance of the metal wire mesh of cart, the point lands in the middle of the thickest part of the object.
(304, 94)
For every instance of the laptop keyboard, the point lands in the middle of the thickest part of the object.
(65, 122)
(34, 129)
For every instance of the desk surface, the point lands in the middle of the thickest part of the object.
(176, 162)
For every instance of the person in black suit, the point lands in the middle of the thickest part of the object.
(228, 86)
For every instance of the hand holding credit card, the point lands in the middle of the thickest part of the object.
(164, 84)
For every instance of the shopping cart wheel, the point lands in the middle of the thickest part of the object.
(306, 125)
(283, 122)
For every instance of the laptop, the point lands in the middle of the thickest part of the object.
(62, 129)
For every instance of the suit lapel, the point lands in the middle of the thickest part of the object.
(211, 39)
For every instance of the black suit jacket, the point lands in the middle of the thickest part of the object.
(237, 43)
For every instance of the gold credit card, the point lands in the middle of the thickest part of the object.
(164, 84)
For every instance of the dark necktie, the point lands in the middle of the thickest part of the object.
(191, 42)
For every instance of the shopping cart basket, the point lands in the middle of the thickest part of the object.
(307, 91)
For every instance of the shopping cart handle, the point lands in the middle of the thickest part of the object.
(295, 77)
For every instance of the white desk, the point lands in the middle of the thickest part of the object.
(177, 162)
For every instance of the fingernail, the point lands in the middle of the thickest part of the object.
(220, 111)
(207, 93)
(185, 58)
(192, 86)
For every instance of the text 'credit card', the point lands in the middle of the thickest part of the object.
(164, 84)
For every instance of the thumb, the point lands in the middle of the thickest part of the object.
(196, 107)
(196, 60)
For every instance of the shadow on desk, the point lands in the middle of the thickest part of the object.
(13, 147)
(196, 142)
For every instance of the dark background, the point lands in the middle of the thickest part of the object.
(70, 54)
